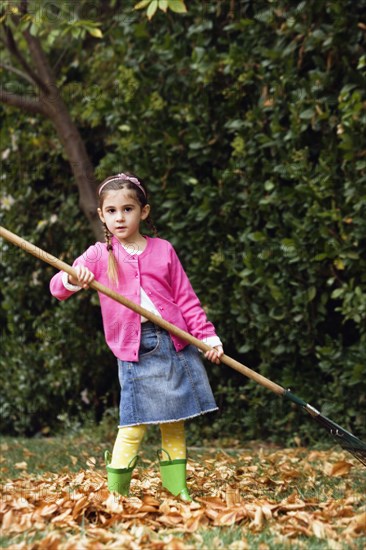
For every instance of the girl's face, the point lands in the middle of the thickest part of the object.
(122, 214)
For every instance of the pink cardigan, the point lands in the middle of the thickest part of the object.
(159, 272)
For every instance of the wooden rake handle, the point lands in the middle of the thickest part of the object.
(62, 266)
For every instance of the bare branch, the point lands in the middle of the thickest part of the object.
(18, 72)
(13, 49)
(40, 60)
(24, 7)
(54, 68)
(28, 104)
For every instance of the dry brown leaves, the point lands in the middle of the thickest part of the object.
(254, 491)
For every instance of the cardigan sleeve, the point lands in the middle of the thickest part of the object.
(69, 286)
(189, 304)
(90, 258)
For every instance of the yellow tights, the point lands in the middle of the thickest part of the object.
(173, 440)
(129, 439)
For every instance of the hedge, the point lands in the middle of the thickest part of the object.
(248, 127)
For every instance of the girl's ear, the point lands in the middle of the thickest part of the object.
(101, 215)
(145, 211)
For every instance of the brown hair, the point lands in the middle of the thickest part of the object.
(115, 183)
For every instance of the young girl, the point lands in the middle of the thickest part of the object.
(163, 380)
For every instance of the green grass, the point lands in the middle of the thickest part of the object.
(53, 454)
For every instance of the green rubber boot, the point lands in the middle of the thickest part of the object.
(173, 476)
(119, 479)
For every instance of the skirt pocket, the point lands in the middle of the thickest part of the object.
(149, 342)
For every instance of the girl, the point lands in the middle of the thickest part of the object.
(163, 380)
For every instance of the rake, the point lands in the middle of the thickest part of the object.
(346, 439)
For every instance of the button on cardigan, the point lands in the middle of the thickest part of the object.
(159, 272)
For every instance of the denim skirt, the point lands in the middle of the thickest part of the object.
(164, 385)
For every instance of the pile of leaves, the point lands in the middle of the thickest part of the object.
(293, 494)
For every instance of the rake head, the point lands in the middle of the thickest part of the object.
(346, 440)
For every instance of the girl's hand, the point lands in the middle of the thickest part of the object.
(84, 277)
(214, 354)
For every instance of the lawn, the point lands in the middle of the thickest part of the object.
(54, 497)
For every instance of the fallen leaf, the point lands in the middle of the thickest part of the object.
(7, 520)
(358, 524)
(91, 462)
(80, 505)
(113, 504)
(50, 542)
(61, 517)
(48, 510)
(239, 545)
(319, 529)
(339, 469)
(258, 521)
(21, 465)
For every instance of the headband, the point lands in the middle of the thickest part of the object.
(122, 176)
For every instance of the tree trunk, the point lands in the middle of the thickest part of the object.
(78, 158)
(69, 135)
(51, 104)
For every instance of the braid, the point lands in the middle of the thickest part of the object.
(107, 236)
(112, 262)
(151, 225)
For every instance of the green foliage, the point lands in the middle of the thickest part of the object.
(53, 21)
(48, 377)
(152, 6)
(248, 127)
